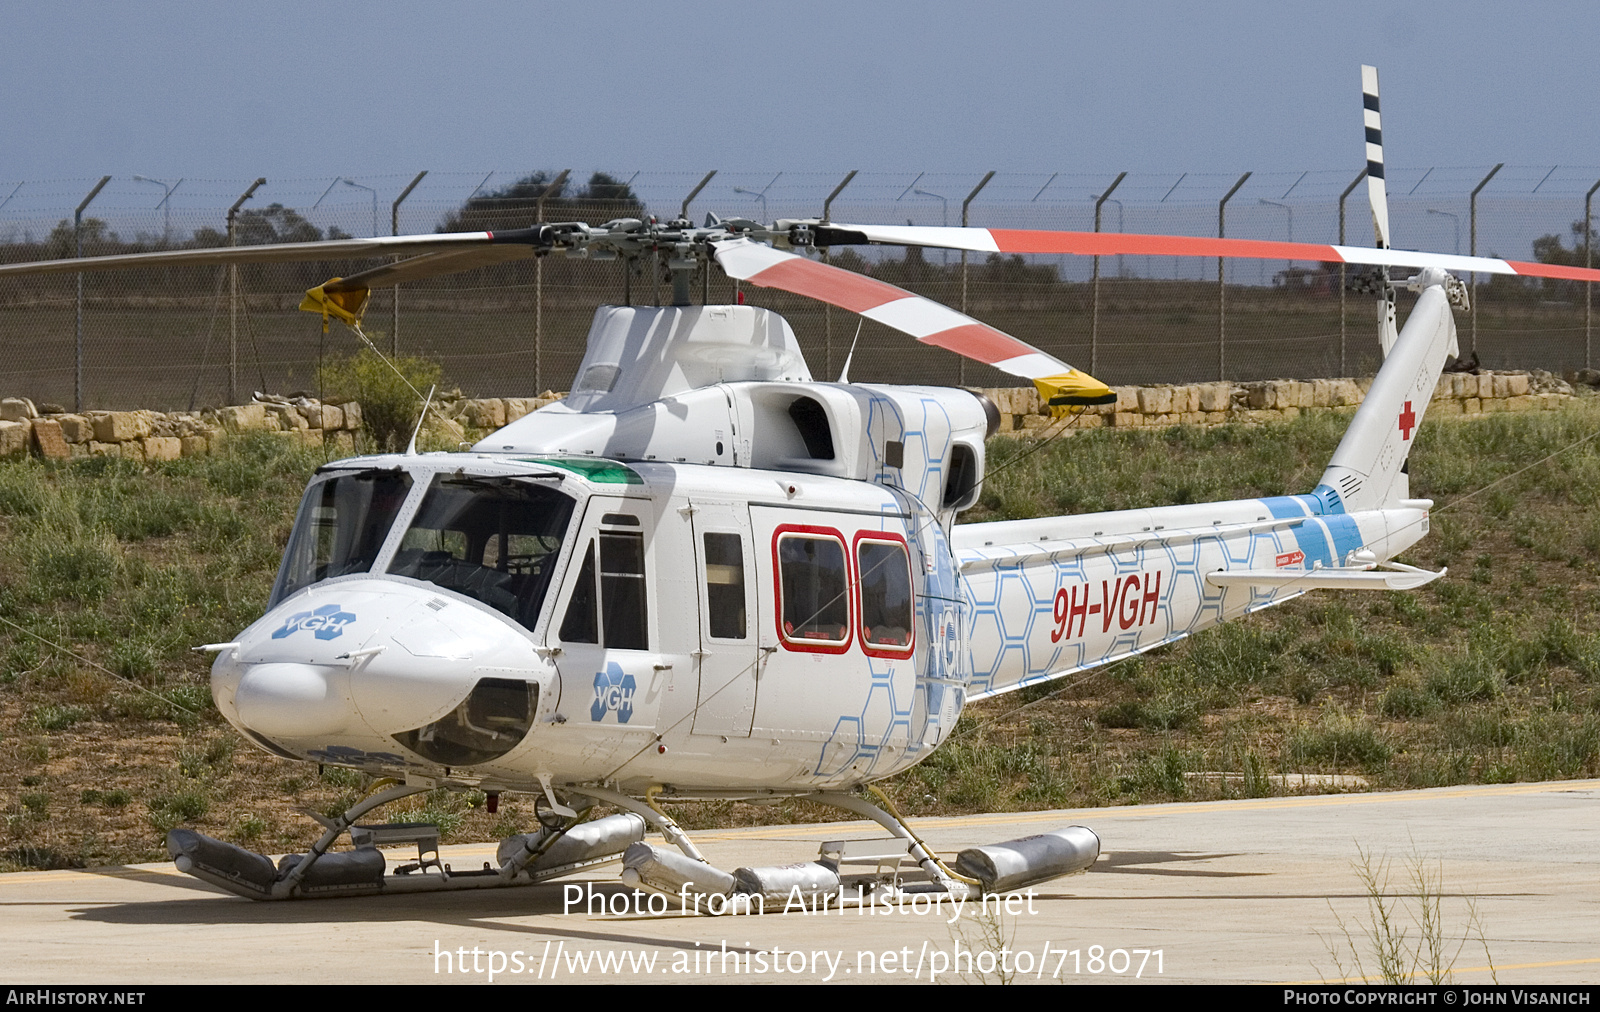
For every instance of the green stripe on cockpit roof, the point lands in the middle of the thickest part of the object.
(601, 472)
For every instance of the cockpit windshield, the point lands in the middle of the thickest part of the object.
(493, 539)
(342, 524)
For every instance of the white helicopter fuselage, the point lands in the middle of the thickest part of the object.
(751, 586)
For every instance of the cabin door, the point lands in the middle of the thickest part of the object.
(725, 582)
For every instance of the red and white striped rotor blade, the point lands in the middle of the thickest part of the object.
(924, 319)
(1006, 240)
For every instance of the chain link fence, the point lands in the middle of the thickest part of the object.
(178, 338)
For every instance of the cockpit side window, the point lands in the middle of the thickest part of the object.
(623, 602)
(492, 539)
(582, 624)
(342, 524)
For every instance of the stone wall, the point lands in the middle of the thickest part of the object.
(152, 435)
(1022, 411)
(54, 433)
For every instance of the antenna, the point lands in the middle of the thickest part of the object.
(844, 374)
(411, 447)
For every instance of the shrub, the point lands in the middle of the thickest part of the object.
(51, 717)
(170, 808)
(389, 407)
(1406, 698)
(1340, 738)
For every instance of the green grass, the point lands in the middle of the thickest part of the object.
(1490, 675)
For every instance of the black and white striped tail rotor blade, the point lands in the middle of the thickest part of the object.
(1377, 189)
(1378, 197)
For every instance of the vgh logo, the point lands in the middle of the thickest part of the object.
(326, 623)
(613, 691)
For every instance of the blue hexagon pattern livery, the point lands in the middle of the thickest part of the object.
(1043, 610)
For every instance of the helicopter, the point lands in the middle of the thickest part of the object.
(706, 575)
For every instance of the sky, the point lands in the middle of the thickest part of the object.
(305, 94)
(294, 88)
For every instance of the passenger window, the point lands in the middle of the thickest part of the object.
(725, 586)
(816, 598)
(886, 610)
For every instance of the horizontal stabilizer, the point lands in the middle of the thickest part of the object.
(1333, 578)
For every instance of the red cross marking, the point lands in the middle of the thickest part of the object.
(1408, 421)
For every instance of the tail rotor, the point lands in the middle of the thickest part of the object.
(1378, 196)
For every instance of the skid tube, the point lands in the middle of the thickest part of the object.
(523, 859)
(527, 859)
(1003, 867)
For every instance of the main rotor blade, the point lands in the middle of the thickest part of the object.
(1005, 240)
(291, 252)
(430, 265)
(924, 319)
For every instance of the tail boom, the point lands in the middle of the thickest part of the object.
(1058, 595)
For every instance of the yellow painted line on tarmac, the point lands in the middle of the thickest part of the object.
(68, 874)
(827, 829)
(1140, 811)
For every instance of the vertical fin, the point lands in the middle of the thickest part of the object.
(1378, 197)
(1368, 470)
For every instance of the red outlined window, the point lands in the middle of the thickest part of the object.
(813, 581)
(887, 613)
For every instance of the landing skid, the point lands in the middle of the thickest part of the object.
(572, 844)
(524, 859)
(813, 885)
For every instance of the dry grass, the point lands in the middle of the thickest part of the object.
(1492, 674)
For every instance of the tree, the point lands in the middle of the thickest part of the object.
(276, 223)
(63, 241)
(516, 205)
(1548, 249)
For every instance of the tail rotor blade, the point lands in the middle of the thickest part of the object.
(1378, 197)
(1377, 189)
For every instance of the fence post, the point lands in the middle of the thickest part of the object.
(965, 204)
(77, 234)
(394, 229)
(1094, 298)
(1347, 191)
(683, 215)
(961, 369)
(1474, 210)
(1588, 286)
(233, 290)
(538, 285)
(827, 310)
(1222, 287)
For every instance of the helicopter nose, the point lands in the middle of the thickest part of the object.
(291, 700)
